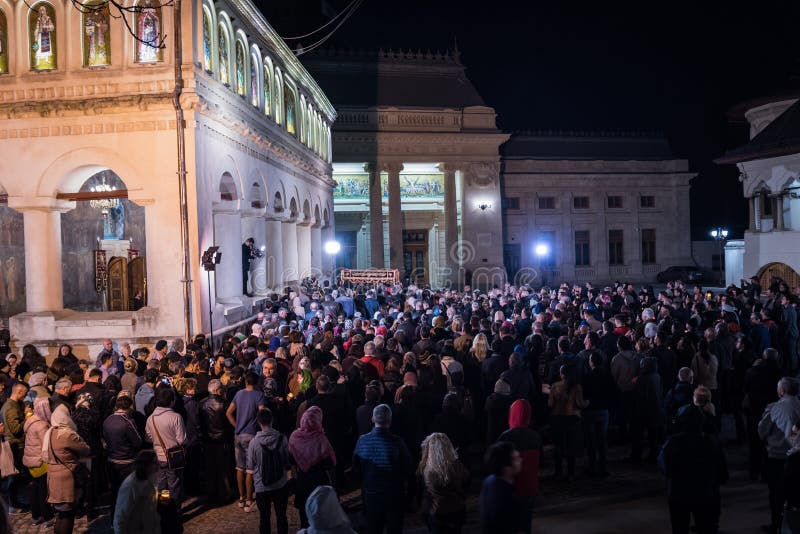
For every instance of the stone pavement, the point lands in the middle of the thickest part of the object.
(631, 500)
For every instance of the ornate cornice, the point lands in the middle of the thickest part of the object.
(85, 107)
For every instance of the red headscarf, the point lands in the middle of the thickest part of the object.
(308, 445)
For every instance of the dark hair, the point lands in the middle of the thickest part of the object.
(323, 384)
(95, 373)
(161, 344)
(624, 343)
(262, 347)
(264, 417)
(596, 358)
(165, 397)
(151, 375)
(202, 362)
(251, 379)
(123, 403)
(499, 456)
(104, 357)
(594, 338)
(144, 459)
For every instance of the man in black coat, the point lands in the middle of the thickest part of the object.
(759, 390)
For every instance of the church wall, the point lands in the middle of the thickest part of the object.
(12, 262)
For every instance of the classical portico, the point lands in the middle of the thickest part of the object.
(416, 163)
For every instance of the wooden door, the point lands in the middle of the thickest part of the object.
(137, 281)
(415, 264)
(118, 284)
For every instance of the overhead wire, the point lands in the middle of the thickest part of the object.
(342, 12)
(317, 44)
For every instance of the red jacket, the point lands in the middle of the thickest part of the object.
(529, 444)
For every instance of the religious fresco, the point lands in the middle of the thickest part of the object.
(148, 32)
(96, 40)
(267, 94)
(207, 62)
(254, 80)
(3, 43)
(416, 185)
(241, 86)
(224, 72)
(12, 262)
(42, 34)
(351, 186)
(288, 103)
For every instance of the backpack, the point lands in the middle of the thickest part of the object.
(272, 468)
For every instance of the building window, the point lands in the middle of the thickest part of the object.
(547, 203)
(615, 202)
(615, 255)
(511, 203)
(580, 203)
(647, 201)
(582, 248)
(766, 204)
(648, 245)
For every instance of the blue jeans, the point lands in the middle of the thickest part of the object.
(171, 479)
(595, 431)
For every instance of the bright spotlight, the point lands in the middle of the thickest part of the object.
(542, 249)
(332, 247)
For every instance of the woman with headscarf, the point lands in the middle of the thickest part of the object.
(35, 427)
(313, 456)
(65, 451)
(444, 481)
(326, 514)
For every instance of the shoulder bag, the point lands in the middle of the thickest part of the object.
(176, 456)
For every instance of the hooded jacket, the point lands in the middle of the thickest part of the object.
(624, 368)
(325, 514)
(275, 441)
(529, 444)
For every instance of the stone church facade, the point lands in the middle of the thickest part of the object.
(88, 175)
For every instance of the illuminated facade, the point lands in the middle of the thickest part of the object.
(88, 170)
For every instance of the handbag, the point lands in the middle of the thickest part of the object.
(7, 467)
(176, 456)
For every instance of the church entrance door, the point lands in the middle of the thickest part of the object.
(137, 283)
(118, 284)
(415, 256)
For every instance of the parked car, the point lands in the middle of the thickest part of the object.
(685, 273)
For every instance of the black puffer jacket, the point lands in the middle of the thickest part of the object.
(214, 425)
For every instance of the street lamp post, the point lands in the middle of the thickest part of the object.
(720, 235)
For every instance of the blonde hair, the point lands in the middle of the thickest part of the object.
(480, 347)
(438, 457)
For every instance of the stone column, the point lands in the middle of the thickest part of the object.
(317, 253)
(44, 289)
(227, 233)
(362, 244)
(778, 212)
(751, 202)
(451, 245)
(375, 215)
(274, 254)
(291, 266)
(395, 216)
(304, 248)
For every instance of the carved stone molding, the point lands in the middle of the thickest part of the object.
(391, 167)
(483, 174)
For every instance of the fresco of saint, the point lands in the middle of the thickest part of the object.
(148, 33)
(97, 51)
(43, 38)
(224, 73)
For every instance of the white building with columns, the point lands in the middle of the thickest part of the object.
(417, 166)
(770, 174)
(89, 161)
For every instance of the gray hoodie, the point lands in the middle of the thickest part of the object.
(325, 514)
(272, 439)
(624, 368)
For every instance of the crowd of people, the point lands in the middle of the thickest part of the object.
(408, 394)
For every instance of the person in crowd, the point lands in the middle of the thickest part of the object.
(624, 370)
(242, 413)
(130, 380)
(136, 511)
(12, 414)
(648, 414)
(444, 480)
(566, 402)
(695, 466)
(216, 435)
(146, 391)
(166, 431)
(337, 420)
(187, 389)
(529, 444)
(267, 463)
(313, 456)
(325, 514)
(384, 463)
(678, 396)
(499, 511)
(496, 409)
(759, 391)
(35, 427)
(122, 443)
(66, 454)
(600, 392)
(775, 430)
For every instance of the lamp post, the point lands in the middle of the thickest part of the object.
(542, 251)
(720, 235)
(332, 248)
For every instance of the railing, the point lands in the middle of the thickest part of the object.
(582, 273)
(618, 270)
(651, 268)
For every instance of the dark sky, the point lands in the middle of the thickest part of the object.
(674, 67)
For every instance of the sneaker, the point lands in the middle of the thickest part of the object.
(50, 523)
(241, 503)
(38, 521)
(249, 506)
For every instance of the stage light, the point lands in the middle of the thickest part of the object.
(332, 247)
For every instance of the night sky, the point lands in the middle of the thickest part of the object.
(672, 67)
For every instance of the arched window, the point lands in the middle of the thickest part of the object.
(148, 32)
(254, 92)
(278, 96)
(267, 86)
(241, 68)
(42, 30)
(96, 37)
(290, 106)
(207, 46)
(301, 109)
(3, 43)
(224, 55)
(307, 124)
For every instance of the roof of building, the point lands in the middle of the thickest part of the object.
(369, 78)
(583, 145)
(780, 137)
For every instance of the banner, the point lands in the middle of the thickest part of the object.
(370, 276)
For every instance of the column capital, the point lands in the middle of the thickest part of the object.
(391, 167)
(370, 166)
(449, 167)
